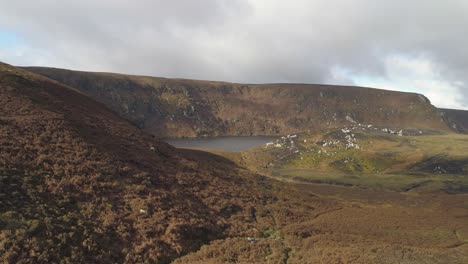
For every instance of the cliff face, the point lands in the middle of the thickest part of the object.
(458, 119)
(189, 108)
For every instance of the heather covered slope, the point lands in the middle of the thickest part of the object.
(178, 107)
(79, 184)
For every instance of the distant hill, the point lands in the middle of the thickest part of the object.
(190, 108)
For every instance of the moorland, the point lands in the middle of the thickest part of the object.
(358, 175)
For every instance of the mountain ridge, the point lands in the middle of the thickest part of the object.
(191, 108)
(46, 68)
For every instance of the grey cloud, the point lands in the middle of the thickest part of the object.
(243, 40)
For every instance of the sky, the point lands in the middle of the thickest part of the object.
(413, 46)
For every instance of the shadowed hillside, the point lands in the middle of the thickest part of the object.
(179, 107)
(458, 118)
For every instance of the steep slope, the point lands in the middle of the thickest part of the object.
(457, 118)
(178, 107)
(79, 184)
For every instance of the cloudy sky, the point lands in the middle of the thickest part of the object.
(415, 46)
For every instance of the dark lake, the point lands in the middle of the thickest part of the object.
(234, 144)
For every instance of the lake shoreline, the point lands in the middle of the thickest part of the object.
(225, 143)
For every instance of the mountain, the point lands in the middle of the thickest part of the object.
(190, 108)
(78, 184)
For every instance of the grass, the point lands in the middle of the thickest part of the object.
(396, 182)
(408, 163)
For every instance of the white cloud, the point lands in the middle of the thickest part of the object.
(420, 75)
(414, 45)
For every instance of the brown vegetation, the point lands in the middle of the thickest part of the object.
(80, 185)
(189, 108)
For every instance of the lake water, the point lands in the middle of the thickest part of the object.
(235, 144)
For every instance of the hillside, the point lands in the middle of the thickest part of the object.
(459, 118)
(189, 108)
(78, 184)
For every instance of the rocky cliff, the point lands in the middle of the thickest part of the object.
(458, 119)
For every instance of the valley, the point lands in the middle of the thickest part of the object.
(402, 193)
(233, 132)
(367, 156)
(86, 178)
